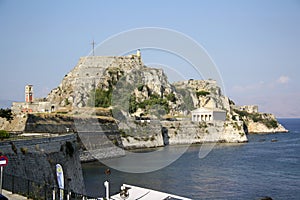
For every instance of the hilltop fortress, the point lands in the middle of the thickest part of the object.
(128, 90)
(89, 73)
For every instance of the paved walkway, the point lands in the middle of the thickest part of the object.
(11, 196)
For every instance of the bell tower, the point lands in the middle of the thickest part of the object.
(29, 93)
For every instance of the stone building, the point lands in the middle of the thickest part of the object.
(249, 108)
(207, 114)
(29, 93)
(31, 105)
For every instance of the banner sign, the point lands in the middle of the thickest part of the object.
(60, 180)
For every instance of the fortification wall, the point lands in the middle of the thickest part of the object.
(99, 140)
(98, 136)
(49, 124)
(36, 159)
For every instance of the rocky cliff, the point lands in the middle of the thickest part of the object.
(256, 122)
(90, 73)
(17, 124)
(202, 93)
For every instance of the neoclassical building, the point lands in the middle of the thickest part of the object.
(208, 114)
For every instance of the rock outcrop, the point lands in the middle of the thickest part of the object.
(17, 124)
(258, 127)
(202, 93)
(256, 122)
(76, 87)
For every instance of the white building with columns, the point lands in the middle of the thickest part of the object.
(208, 114)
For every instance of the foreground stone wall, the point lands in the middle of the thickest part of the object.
(36, 159)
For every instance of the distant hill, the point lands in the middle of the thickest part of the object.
(5, 103)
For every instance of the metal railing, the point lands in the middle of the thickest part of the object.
(39, 191)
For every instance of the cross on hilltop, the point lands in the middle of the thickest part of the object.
(93, 45)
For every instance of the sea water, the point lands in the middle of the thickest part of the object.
(268, 165)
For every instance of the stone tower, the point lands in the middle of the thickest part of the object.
(29, 93)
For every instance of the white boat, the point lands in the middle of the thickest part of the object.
(130, 192)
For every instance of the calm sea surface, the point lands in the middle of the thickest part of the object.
(261, 167)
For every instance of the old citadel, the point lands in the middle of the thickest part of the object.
(192, 100)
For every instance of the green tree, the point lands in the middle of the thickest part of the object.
(4, 134)
(100, 98)
(6, 113)
(154, 100)
(202, 93)
(132, 104)
(171, 97)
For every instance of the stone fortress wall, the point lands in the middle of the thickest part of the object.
(35, 160)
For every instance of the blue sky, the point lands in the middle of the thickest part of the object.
(255, 44)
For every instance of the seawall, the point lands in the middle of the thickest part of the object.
(188, 132)
(137, 134)
(97, 136)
